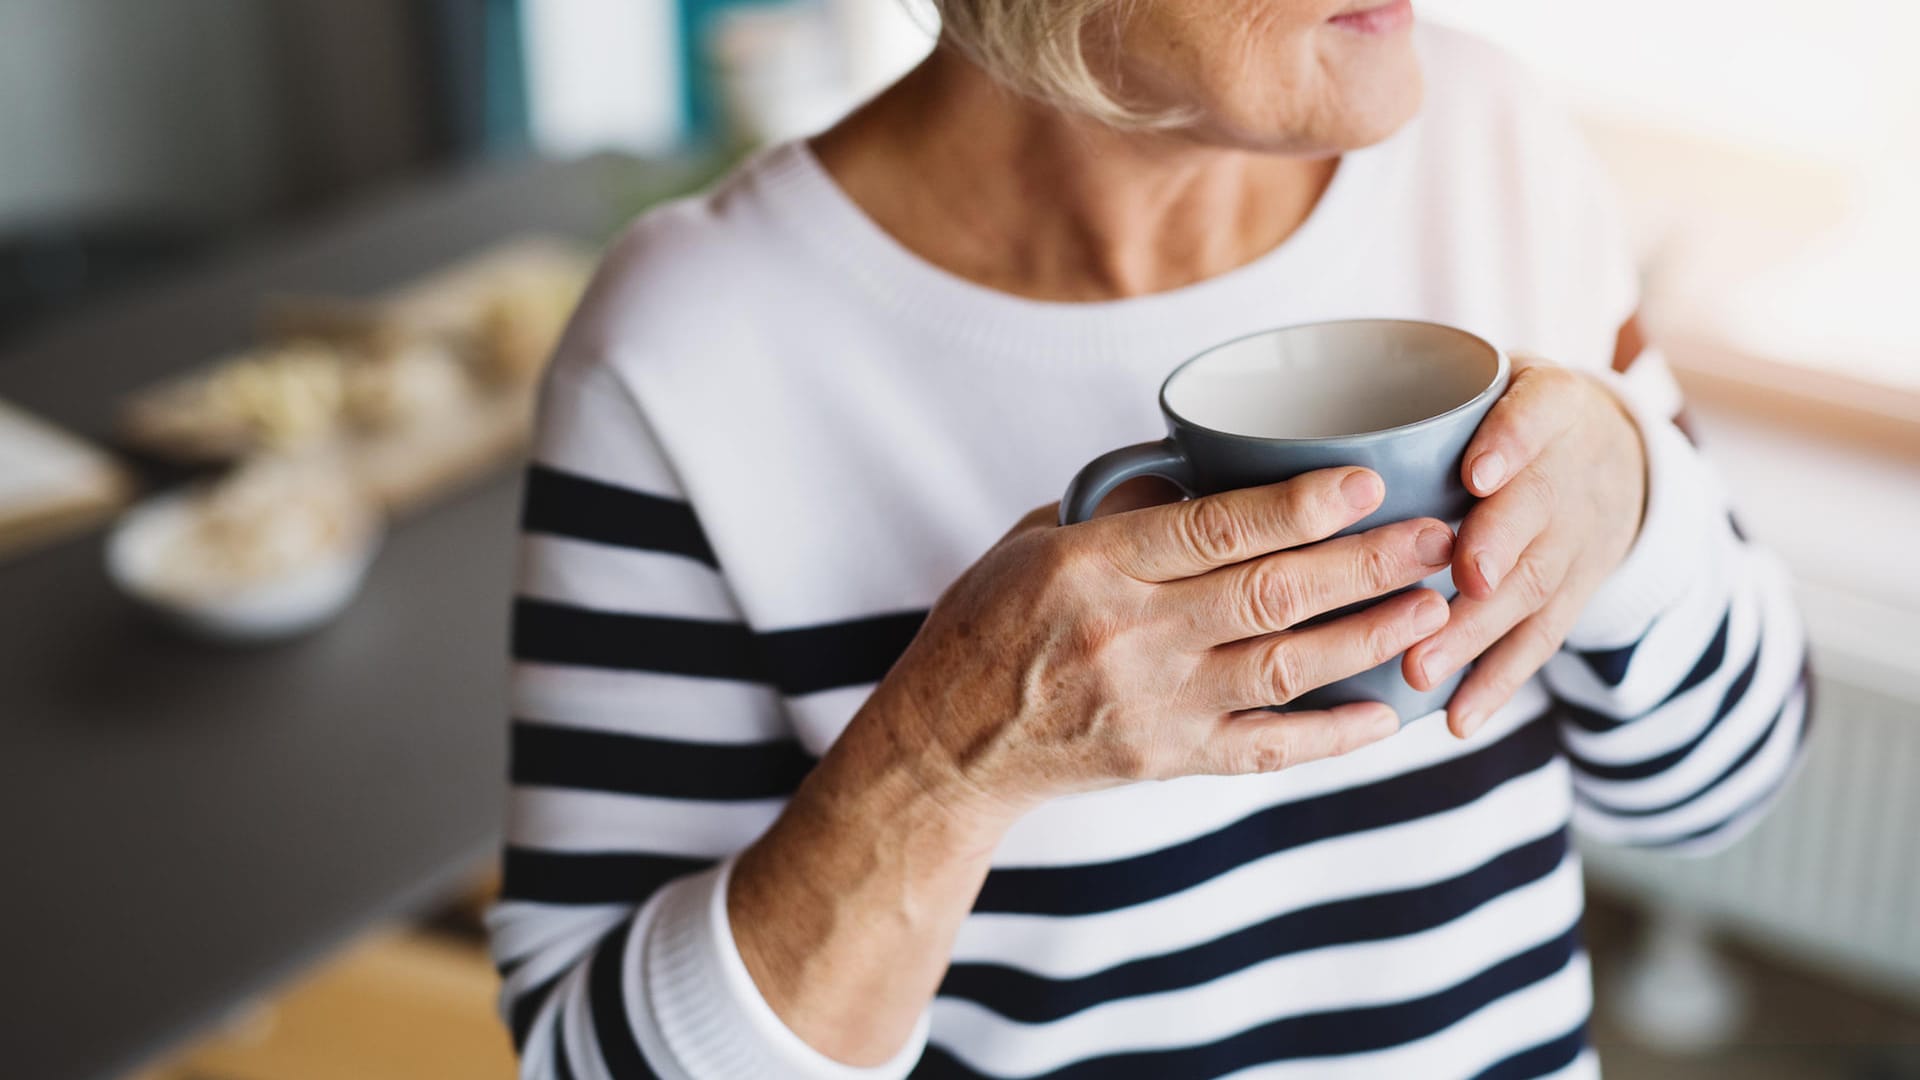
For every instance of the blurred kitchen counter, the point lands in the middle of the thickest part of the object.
(190, 825)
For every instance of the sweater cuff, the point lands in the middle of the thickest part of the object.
(1683, 510)
(710, 1014)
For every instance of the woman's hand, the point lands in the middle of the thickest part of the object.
(1130, 647)
(1562, 472)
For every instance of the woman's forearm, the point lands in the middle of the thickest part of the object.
(846, 910)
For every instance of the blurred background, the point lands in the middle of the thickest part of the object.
(309, 255)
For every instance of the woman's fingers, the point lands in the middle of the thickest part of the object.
(1263, 742)
(1510, 662)
(1040, 517)
(1498, 530)
(1179, 540)
(1475, 625)
(1540, 403)
(1280, 591)
(1278, 668)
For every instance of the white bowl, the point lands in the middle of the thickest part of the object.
(268, 610)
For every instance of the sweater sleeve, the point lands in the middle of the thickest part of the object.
(1682, 691)
(647, 748)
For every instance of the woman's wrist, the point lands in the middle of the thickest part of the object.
(1682, 510)
(844, 913)
(880, 807)
(889, 761)
(1633, 457)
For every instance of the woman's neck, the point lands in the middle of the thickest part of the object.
(1022, 198)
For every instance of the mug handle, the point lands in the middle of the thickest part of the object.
(1115, 467)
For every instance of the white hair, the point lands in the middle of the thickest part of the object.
(1037, 48)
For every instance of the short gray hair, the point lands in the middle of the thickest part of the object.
(1037, 48)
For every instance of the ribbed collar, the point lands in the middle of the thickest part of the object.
(797, 193)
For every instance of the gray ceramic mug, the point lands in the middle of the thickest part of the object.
(1399, 397)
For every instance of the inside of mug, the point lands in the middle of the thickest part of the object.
(1332, 379)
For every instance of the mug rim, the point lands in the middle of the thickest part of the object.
(1501, 370)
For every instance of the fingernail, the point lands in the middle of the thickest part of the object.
(1488, 470)
(1362, 489)
(1434, 546)
(1469, 721)
(1484, 564)
(1433, 668)
(1429, 615)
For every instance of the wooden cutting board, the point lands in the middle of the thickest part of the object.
(408, 465)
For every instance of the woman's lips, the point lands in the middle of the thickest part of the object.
(1382, 19)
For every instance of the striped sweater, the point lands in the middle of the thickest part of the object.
(772, 436)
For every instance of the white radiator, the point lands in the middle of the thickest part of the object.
(1832, 875)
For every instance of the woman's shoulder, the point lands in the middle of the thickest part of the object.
(1496, 135)
(1490, 115)
(680, 278)
(659, 276)
(1478, 84)
(1503, 151)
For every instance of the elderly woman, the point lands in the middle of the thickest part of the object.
(821, 771)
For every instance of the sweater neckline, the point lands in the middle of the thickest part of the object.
(800, 194)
